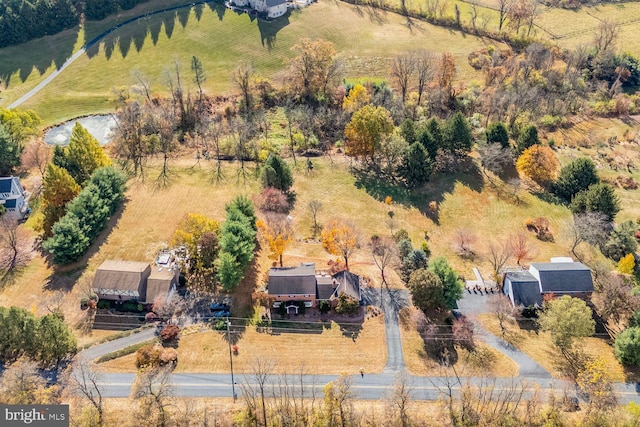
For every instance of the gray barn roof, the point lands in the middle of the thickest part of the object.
(525, 288)
(272, 3)
(564, 277)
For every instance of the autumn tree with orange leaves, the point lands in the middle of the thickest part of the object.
(540, 164)
(342, 238)
(277, 232)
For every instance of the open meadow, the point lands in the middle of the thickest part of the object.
(364, 39)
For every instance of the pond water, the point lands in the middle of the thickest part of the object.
(101, 127)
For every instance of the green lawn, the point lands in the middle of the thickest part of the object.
(364, 41)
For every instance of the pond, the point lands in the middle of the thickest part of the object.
(101, 127)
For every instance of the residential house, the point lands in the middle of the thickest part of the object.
(559, 277)
(130, 280)
(13, 197)
(292, 285)
(269, 8)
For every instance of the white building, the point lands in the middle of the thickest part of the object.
(12, 197)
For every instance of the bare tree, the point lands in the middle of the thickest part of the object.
(615, 300)
(473, 14)
(606, 35)
(498, 253)
(590, 227)
(243, 79)
(154, 392)
(314, 207)
(402, 69)
(216, 131)
(15, 244)
(503, 9)
(53, 302)
(22, 384)
(501, 306)
(261, 370)
(36, 155)
(520, 247)
(83, 382)
(463, 241)
(385, 252)
(494, 158)
(143, 86)
(199, 76)
(401, 398)
(337, 399)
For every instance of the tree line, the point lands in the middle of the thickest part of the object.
(21, 21)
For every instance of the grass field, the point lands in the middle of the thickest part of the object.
(364, 40)
(329, 352)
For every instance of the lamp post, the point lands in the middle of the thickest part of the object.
(233, 384)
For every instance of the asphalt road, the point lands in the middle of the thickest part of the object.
(371, 387)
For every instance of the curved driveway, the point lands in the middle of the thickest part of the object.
(90, 43)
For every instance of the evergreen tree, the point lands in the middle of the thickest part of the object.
(598, 197)
(497, 133)
(245, 206)
(621, 241)
(627, 346)
(59, 188)
(68, 242)
(408, 131)
(110, 184)
(459, 137)
(84, 154)
(528, 138)
(10, 152)
(575, 177)
(416, 166)
(427, 291)
(229, 270)
(452, 285)
(429, 143)
(55, 340)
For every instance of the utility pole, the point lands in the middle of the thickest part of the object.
(233, 384)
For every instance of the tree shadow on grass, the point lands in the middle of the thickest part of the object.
(465, 171)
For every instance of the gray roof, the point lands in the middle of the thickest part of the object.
(272, 3)
(564, 277)
(5, 184)
(121, 278)
(348, 283)
(293, 280)
(325, 287)
(525, 288)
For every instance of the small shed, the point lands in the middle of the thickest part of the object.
(522, 288)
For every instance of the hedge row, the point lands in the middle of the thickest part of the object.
(86, 216)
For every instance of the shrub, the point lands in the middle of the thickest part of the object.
(104, 304)
(627, 264)
(273, 200)
(169, 333)
(148, 356)
(347, 304)
(400, 235)
(627, 346)
(324, 306)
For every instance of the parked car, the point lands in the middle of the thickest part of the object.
(219, 307)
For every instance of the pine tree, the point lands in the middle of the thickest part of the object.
(416, 166)
(84, 154)
(497, 132)
(459, 137)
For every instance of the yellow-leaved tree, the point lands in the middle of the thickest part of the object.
(366, 130)
(200, 236)
(540, 164)
(627, 264)
(276, 230)
(342, 238)
(357, 97)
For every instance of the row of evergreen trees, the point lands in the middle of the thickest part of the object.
(46, 340)
(87, 215)
(21, 21)
(237, 242)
